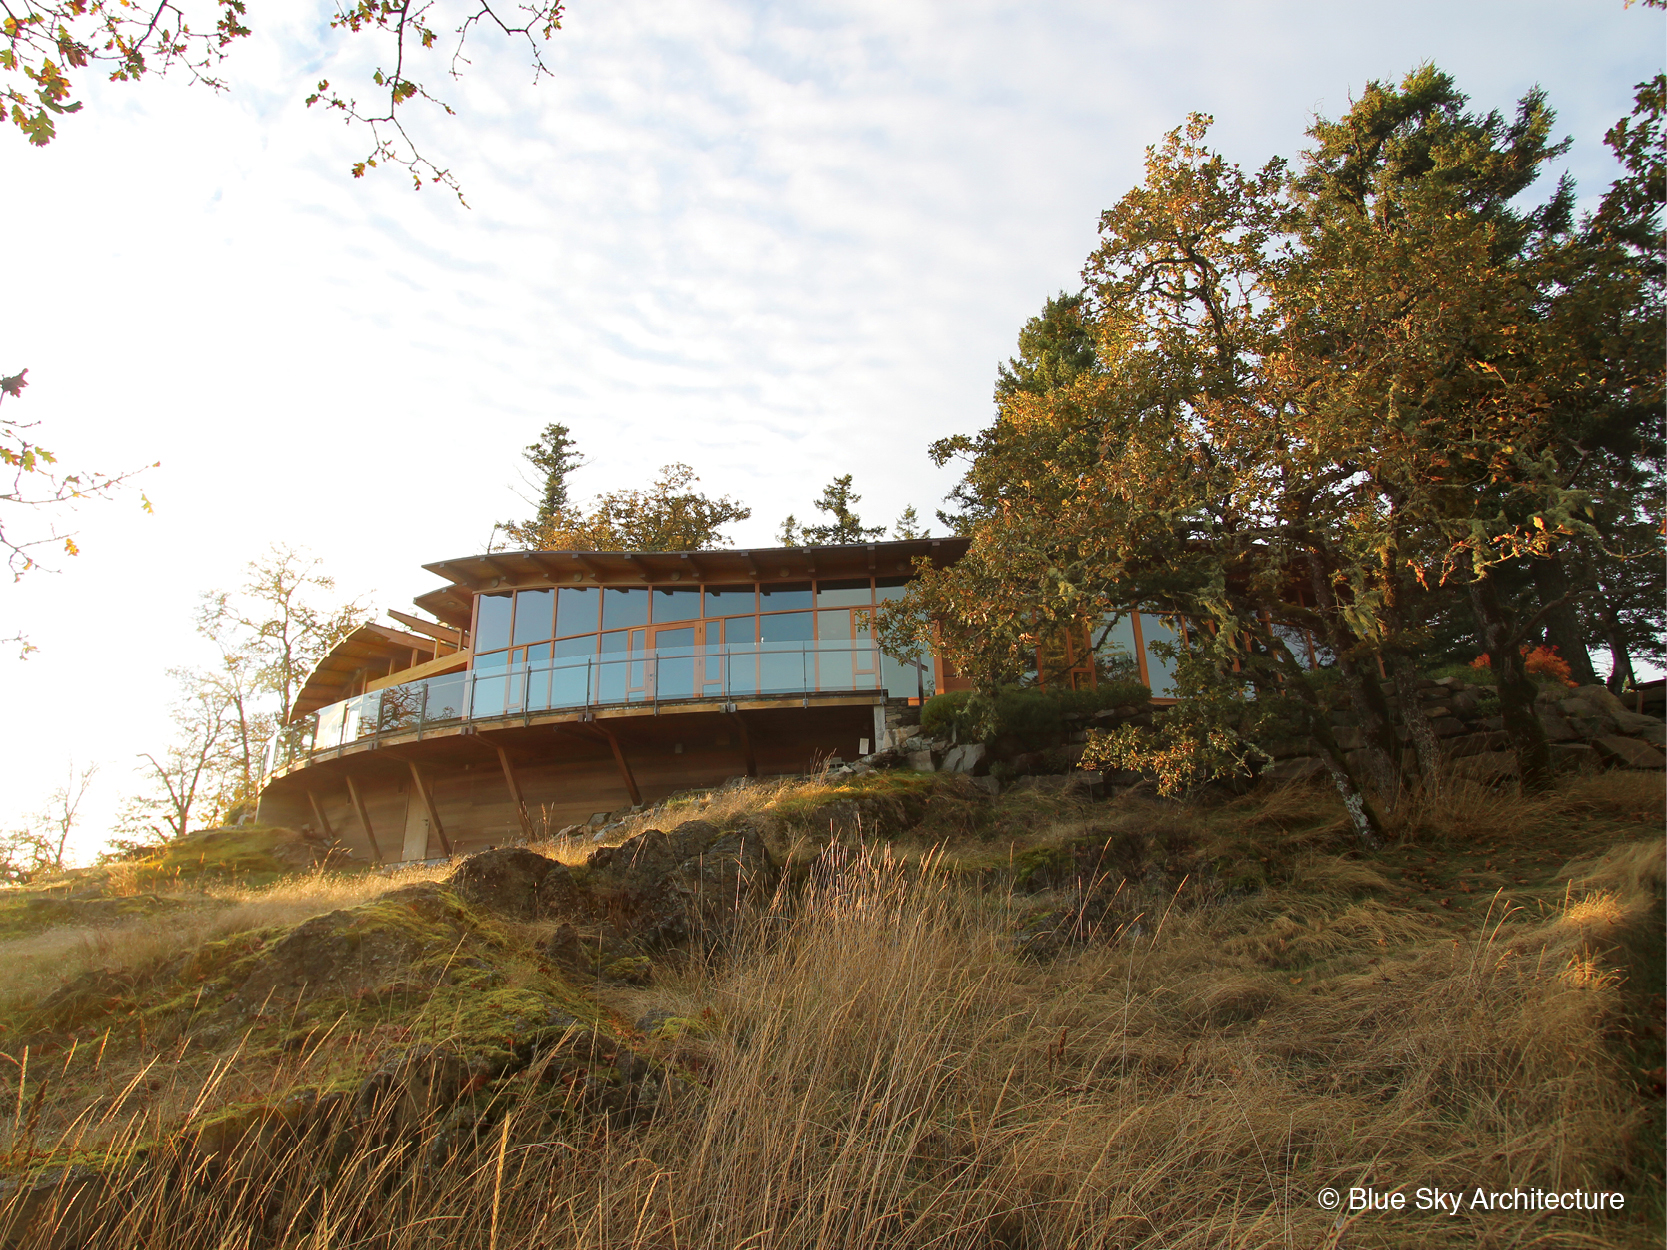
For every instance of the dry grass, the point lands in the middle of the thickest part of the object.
(883, 1074)
(42, 961)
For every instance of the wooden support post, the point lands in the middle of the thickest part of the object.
(746, 742)
(624, 768)
(515, 792)
(428, 802)
(318, 815)
(364, 817)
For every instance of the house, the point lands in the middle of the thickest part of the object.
(550, 686)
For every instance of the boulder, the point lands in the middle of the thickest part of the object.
(1447, 726)
(1293, 769)
(1557, 727)
(923, 761)
(1622, 752)
(505, 881)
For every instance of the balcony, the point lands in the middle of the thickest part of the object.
(723, 673)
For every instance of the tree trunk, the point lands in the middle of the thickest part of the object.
(1562, 623)
(1620, 663)
(1364, 691)
(1363, 815)
(1417, 724)
(1516, 688)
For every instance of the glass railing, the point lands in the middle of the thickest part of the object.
(733, 671)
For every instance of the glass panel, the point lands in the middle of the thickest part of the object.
(576, 646)
(492, 625)
(611, 673)
(728, 600)
(784, 668)
(401, 707)
(535, 614)
(1115, 656)
(445, 697)
(674, 665)
(787, 627)
(362, 716)
(740, 637)
(332, 725)
(852, 593)
(621, 608)
(497, 659)
(1160, 673)
(488, 697)
(890, 587)
(682, 604)
(576, 610)
(904, 680)
(570, 679)
(784, 596)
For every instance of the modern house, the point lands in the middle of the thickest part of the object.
(552, 685)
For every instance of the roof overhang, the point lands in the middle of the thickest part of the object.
(511, 570)
(374, 647)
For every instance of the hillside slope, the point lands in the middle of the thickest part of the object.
(890, 1011)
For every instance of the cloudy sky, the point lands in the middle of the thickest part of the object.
(777, 242)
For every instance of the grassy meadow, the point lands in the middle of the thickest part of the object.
(955, 1022)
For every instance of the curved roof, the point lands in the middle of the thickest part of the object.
(497, 570)
(377, 648)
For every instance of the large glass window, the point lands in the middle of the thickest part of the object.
(681, 604)
(492, 621)
(786, 627)
(535, 612)
(1160, 672)
(890, 587)
(576, 610)
(728, 600)
(853, 593)
(784, 596)
(624, 607)
(1116, 655)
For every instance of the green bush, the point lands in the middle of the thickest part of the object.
(1035, 715)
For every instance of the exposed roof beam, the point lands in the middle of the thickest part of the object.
(635, 561)
(443, 633)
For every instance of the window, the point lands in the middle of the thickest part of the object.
(854, 593)
(784, 597)
(729, 600)
(492, 620)
(577, 609)
(535, 614)
(621, 608)
(682, 604)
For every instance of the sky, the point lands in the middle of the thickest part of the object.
(775, 242)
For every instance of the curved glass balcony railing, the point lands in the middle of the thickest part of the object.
(726, 672)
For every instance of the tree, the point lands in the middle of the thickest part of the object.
(1321, 397)
(553, 457)
(1055, 348)
(63, 810)
(907, 526)
(47, 40)
(838, 500)
(36, 484)
(196, 772)
(668, 516)
(273, 631)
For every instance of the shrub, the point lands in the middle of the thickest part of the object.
(1542, 662)
(1035, 715)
